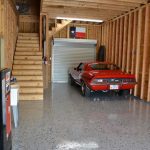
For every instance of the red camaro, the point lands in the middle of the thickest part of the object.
(101, 76)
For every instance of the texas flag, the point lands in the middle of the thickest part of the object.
(78, 32)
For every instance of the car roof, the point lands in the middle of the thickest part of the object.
(99, 62)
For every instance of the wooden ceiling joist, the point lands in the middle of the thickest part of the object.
(80, 13)
(109, 2)
(88, 5)
(92, 9)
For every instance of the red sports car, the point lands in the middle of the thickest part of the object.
(101, 76)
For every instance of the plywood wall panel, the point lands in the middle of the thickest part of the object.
(28, 24)
(8, 30)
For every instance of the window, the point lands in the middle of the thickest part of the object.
(80, 67)
(104, 67)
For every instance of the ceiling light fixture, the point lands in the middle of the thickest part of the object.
(80, 19)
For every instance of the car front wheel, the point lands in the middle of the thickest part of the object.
(85, 91)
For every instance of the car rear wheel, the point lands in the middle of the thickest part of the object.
(85, 91)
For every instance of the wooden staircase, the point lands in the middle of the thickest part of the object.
(27, 67)
(58, 27)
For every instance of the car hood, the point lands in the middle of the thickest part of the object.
(110, 74)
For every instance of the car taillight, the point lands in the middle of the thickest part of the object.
(130, 80)
(99, 81)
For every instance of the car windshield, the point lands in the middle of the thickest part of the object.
(104, 67)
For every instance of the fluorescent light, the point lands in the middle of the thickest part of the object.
(80, 19)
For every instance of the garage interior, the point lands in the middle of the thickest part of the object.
(52, 114)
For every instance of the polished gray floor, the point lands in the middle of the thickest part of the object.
(68, 121)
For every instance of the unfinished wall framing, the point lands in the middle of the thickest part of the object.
(128, 46)
(8, 29)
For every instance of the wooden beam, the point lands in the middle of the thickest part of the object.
(110, 40)
(146, 55)
(134, 41)
(108, 48)
(47, 36)
(41, 27)
(148, 95)
(107, 42)
(136, 9)
(59, 27)
(139, 37)
(102, 35)
(117, 42)
(125, 37)
(129, 45)
(28, 18)
(135, 1)
(63, 3)
(111, 2)
(13, 6)
(81, 13)
(116, 2)
(68, 31)
(121, 42)
(1, 18)
(113, 42)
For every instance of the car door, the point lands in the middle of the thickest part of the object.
(77, 72)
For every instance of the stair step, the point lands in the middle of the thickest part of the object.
(25, 45)
(27, 67)
(27, 72)
(30, 83)
(28, 34)
(28, 41)
(27, 38)
(36, 67)
(33, 97)
(27, 62)
(29, 78)
(25, 90)
(28, 54)
(28, 58)
(27, 49)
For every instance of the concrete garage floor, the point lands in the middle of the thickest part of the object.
(68, 121)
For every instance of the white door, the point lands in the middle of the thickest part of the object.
(67, 53)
